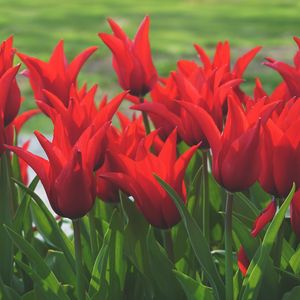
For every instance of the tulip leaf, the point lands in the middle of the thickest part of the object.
(295, 262)
(98, 284)
(6, 212)
(198, 242)
(249, 243)
(193, 289)
(294, 294)
(40, 269)
(162, 270)
(253, 279)
(6, 293)
(56, 260)
(43, 288)
(22, 215)
(29, 295)
(117, 259)
(48, 227)
(244, 207)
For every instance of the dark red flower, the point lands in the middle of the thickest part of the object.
(235, 151)
(132, 60)
(68, 174)
(56, 76)
(290, 74)
(280, 150)
(135, 177)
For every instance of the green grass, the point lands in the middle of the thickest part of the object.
(175, 26)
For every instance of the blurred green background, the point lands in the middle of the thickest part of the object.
(175, 26)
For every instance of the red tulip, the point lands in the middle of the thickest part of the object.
(290, 74)
(132, 60)
(68, 175)
(56, 76)
(280, 150)
(81, 111)
(126, 142)
(135, 177)
(10, 97)
(235, 151)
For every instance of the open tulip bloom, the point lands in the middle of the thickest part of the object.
(176, 209)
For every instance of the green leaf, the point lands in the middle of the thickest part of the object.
(57, 262)
(249, 243)
(245, 208)
(253, 280)
(162, 270)
(22, 214)
(48, 227)
(294, 294)
(295, 262)
(31, 295)
(5, 292)
(198, 242)
(43, 288)
(39, 266)
(193, 289)
(6, 212)
(135, 233)
(98, 284)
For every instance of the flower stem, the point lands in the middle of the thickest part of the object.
(228, 247)
(93, 235)
(145, 118)
(205, 206)
(78, 258)
(279, 240)
(167, 237)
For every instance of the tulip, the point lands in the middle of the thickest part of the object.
(132, 60)
(10, 97)
(125, 142)
(280, 149)
(81, 111)
(56, 76)
(235, 151)
(67, 176)
(290, 74)
(135, 177)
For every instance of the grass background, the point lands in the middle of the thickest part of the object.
(175, 26)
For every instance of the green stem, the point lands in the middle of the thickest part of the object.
(93, 234)
(228, 247)
(145, 118)
(78, 258)
(279, 240)
(205, 206)
(167, 236)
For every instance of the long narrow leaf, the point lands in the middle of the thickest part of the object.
(39, 265)
(252, 281)
(197, 241)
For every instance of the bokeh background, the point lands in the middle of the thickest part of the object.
(175, 26)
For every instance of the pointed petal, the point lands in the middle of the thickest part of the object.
(78, 62)
(243, 61)
(264, 218)
(37, 163)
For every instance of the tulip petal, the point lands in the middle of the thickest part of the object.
(264, 218)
